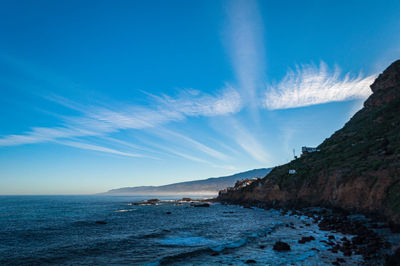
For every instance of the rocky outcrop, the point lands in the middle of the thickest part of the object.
(281, 246)
(357, 168)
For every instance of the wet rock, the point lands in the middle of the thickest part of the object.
(395, 228)
(331, 237)
(153, 200)
(250, 261)
(341, 260)
(347, 253)
(394, 260)
(262, 246)
(186, 199)
(142, 203)
(101, 222)
(305, 239)
(281, 246)
(215, 254)
(201, 205)
(168, 212)
(315, 249)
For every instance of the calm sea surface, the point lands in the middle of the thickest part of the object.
(63, 230)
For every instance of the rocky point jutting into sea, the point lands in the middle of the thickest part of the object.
(356, 170)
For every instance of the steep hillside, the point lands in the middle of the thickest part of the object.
(358, 167)
(210, 185)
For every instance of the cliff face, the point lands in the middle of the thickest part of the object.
(358, 167)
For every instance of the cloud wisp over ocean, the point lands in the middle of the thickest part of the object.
(306, 85)
(310, 85)
(101, 122)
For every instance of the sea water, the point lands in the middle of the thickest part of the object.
(63, 230)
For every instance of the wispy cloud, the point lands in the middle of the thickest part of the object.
(243, 137)
(309, 85)
(169, 134)
(102, 121)
(190, 157)
(98, 120)
(245, 45)
(87, 146)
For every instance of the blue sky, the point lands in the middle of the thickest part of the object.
(105, 94)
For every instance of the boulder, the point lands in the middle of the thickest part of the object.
(281, 246)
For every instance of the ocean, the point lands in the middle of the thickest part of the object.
(106, 230)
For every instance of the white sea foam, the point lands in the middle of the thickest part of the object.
(130, 210)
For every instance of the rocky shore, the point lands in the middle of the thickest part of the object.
(356, 170)
(364, 237)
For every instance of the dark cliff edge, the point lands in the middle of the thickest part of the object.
(357, 168)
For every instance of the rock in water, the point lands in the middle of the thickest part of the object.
(305, 239)
(281, 246)
(201, 205)
(153, 200)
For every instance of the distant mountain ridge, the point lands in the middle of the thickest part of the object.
(206, 186)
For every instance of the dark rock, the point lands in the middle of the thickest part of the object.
(341, 260)
(186, 199)
(168, 212)
(153, 200)
(215, 254)
(262, 246)
(315, 249)
(395, 228)
(331, 237)
(394, 260)
(101, 222)
(305, 239)
(250, 261)
(201, 205)
(281, 246)
(347, 253)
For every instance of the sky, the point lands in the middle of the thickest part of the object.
(97, 95)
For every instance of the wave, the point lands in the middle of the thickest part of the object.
(130, 210)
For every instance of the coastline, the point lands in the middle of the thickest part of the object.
(367, 235)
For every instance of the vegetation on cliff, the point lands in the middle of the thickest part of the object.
(358, 167)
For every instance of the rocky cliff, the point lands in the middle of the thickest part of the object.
(357, 168)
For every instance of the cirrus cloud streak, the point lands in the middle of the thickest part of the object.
(309, 85)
